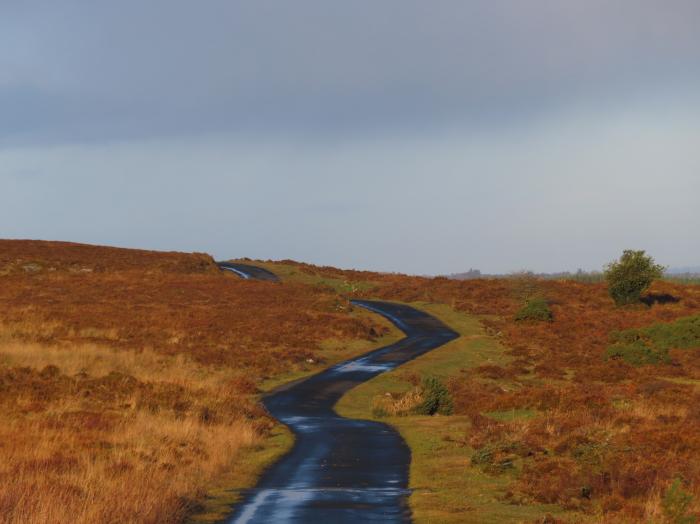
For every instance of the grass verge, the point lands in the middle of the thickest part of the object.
(447, 488)
(228, 490)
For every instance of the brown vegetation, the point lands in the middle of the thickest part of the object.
(599, 435)
(128, 378)
(607, 437)
(127, 381)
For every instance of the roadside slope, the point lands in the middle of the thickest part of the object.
(129, 379)
(342, 470)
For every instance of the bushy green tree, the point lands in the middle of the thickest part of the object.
(630, 276)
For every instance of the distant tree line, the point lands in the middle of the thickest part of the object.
(627, 278)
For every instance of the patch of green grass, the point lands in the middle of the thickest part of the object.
(511, 415)
(472, 349)
(684, 333)
(638, 354)
(446, 487)
(292, 273)
(650, 345)
(535, 308)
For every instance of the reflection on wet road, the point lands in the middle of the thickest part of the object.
(248, 272)
(342, 470)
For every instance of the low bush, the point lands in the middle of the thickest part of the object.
(684, 333)
(638, 354)
(651, 345)
(495, 458)
(436, 398)
(535, 309)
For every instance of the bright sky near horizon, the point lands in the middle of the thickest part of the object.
(399, 135)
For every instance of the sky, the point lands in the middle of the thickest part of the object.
(392, 135)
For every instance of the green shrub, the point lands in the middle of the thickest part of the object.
(630, 276)
(638, 354)
(483, 457)
(496, 458)
(650, 345)
(535, 309)
(684, 333)
(436, 398)
(675, 504)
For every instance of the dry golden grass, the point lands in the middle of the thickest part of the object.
(397, 405)
(143, 450)
(143, 467)
(128, 379)
(95, 360)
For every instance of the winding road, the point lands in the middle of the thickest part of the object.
(248, 272)
(342, 470)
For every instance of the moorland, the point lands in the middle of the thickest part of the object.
(130, 384)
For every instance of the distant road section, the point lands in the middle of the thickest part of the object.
(248, 271)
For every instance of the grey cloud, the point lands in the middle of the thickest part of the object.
(122, 70)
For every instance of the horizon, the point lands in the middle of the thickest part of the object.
(670, 270)
(397, 137)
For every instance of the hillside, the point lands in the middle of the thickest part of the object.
(128, 379)
(594, 412)
(130, 383)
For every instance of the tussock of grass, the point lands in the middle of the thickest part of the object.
(397, 405)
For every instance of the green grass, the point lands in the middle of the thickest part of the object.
(472, 349)
(651, 345)
(292, 273)
(512, 415)
(446, 487)
(535, 309)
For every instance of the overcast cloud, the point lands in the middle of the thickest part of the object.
(396, 135)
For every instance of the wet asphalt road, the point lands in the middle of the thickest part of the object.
(248, 272)
(342, 470)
